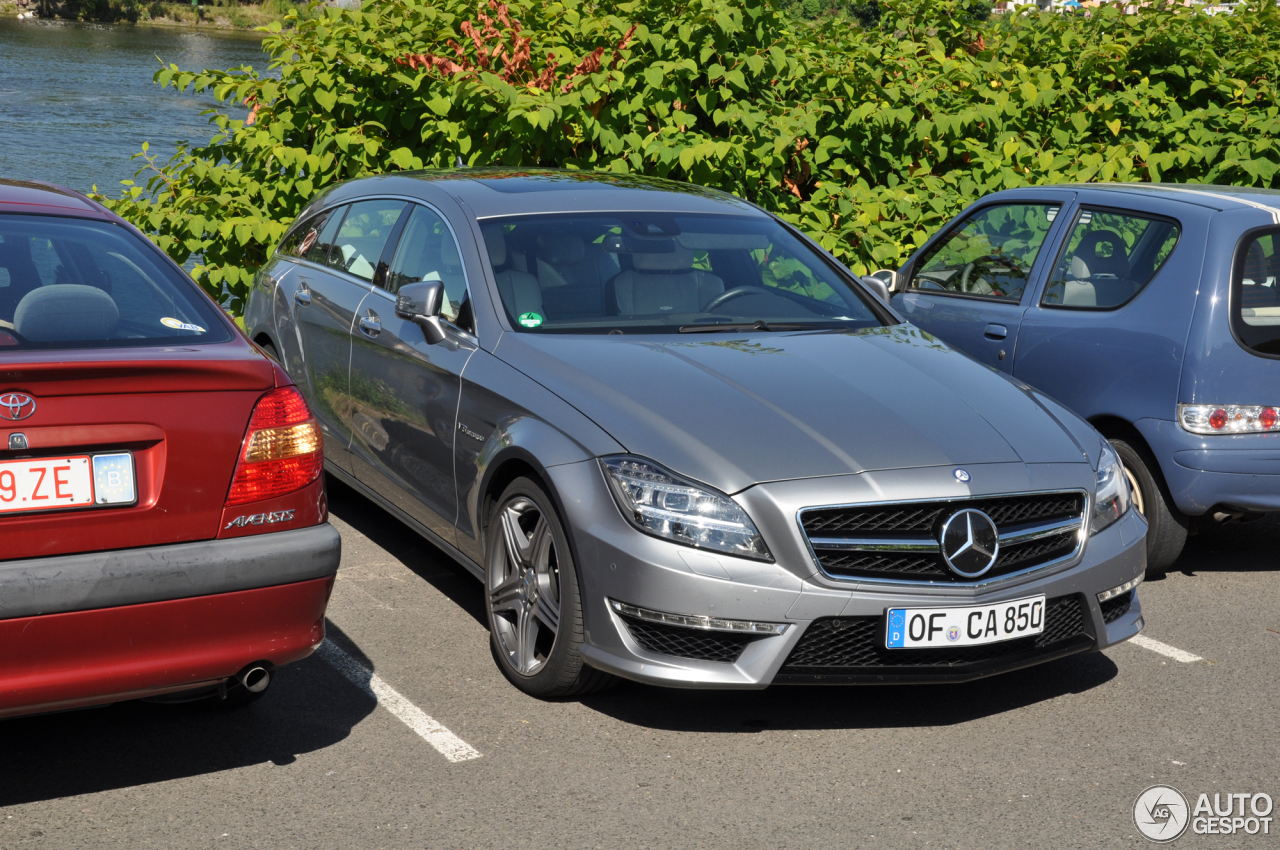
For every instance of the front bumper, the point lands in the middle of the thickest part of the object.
(617, 563)
(102, 627)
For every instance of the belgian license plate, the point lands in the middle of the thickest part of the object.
(75, 481)
(912, 628)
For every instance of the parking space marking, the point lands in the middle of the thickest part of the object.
(428, 728)
(1164, 649)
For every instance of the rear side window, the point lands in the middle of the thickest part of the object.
(71, 283)
(364, 233)
(1255, 305)
(305, 241)
(989, 255)
(1109, 259)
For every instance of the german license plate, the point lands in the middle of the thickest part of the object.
(914, 628)
(75, 481)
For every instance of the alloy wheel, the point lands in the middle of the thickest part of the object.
(1135, 492)
(524, 586)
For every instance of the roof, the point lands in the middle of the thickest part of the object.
(492, 192)
(1201, 194)
(18, 196)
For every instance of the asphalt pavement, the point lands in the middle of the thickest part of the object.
(402, 733)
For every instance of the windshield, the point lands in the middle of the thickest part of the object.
(71, 283)
(663, 273)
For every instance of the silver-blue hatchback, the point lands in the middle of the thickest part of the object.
(1152, 311)
(681, 444)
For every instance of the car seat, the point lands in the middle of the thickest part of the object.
(519, 290)
(66, 313)
(23, 277)
(662, 283)
(1258, 287)
(1108, 275)
(570, 275)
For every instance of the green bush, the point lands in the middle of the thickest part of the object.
(868, 139)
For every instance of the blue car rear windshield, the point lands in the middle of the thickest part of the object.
(72, 283)
(662, 273)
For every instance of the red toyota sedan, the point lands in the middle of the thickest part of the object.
(163, 521)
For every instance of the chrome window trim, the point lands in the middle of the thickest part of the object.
(1038, 531)
(369, 286)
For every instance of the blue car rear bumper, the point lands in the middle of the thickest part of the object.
(1205, 471)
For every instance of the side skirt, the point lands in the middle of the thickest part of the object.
(435, 539)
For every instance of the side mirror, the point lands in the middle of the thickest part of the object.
(877, 286)
(890, 278)
(420, 303)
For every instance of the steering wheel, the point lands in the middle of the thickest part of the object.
(984, 263)
(730, 294)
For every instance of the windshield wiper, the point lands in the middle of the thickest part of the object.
(758, 325)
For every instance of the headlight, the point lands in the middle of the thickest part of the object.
(661, 503)
(1111, 496)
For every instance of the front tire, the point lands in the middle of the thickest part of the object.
(533, 598)
(1166, 525)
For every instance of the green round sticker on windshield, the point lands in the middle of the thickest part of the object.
(530, 320)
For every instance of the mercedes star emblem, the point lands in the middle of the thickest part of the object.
(969, 542)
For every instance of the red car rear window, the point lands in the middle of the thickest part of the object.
(72, 283)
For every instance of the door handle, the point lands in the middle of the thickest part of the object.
(370, 325)
(302, 295)
(995, 332)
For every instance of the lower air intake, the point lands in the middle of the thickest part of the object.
(681, 642)
(852, 649)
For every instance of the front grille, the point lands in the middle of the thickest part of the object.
(849, 646)
(849, 542)
(1116, 607)
(682, 642)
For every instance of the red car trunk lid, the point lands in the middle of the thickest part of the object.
(181, 412)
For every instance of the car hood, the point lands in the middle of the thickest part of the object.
(733, 411)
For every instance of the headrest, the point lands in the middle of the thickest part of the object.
(449, 255)
(1116, 264)
(496, 242)
(19, 253)
(1255, 264)
(66, 312)
(561, 249)
(681, 259)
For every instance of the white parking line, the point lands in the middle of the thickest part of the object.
(428, 728)
(1164, 649)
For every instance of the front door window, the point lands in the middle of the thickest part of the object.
(989, 255)
(427, 251)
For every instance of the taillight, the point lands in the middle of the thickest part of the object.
(1228, 418)
(283, 450)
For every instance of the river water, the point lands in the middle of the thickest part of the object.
(77, 100)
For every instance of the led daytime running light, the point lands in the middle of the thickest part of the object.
(697, 621)
(1116, 591)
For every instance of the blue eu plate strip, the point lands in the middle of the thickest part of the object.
(113, 480)
(897, 628)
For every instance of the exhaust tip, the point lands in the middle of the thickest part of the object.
(254, 679)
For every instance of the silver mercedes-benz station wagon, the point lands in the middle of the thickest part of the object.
(681, 444)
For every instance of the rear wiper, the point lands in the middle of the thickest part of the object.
(758, 325)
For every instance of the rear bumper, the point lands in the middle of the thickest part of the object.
(117, 577)
(1205, 471)
(60, 661)
(102, 627)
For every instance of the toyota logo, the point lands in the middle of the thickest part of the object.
(969, 542)
(15, 406)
